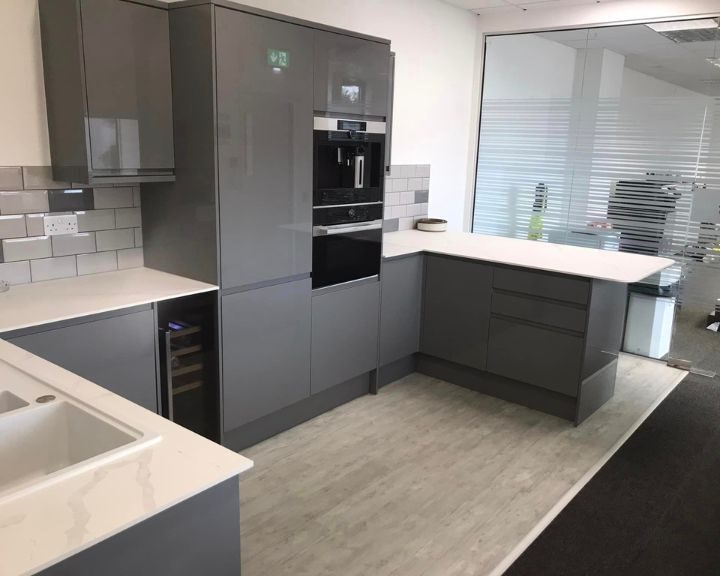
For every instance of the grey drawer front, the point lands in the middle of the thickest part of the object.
(535, 355)
(540, 311)
(565, 288)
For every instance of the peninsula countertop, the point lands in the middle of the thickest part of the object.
(54, 300)
(563, 259)
(43, 527)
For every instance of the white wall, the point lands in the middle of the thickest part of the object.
(435, 46)
(637, 84)
(23, 121)
(604, 13)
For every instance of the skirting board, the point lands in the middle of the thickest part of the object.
(396, 370)
(284, 419)
(511, 390)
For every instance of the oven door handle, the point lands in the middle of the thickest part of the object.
(346, 228)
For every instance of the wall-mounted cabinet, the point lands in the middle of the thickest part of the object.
(352, 75)
(108, 90)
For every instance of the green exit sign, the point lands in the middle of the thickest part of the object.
(278, 58)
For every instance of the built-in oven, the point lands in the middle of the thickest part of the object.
(349, 157)
(347, 243)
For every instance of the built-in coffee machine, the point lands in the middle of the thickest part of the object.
(349, 170)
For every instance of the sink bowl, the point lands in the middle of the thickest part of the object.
(9, 402)
(51, 440)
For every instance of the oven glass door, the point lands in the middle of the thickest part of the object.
(343, 256)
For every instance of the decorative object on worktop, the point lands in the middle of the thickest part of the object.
(109, 233)
(432, 225)
(407, 190)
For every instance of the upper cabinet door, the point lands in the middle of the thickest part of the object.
(265, 131)
(351, 75)
(126, 49)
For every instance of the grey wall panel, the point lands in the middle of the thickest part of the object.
(198, 536)
(540, 311)
(565, 288)
(180, 219)
(606, 323)
(401, 308)
(456, 310)
(266, 351)
(264, 148)
(344, 334)
(117, 353)
(126, 50)
(351, 75)
(535, 355)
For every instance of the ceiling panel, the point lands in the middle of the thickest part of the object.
(494, 6)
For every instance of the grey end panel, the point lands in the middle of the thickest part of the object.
(456, 310)
(534, 355)
(117, 353)
(344, 334)
(266, 351)
(265, 153)
(180, 225)
(128, 85)
(400, 308)
(351, 75)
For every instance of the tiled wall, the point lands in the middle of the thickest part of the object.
(406, 196)
(109, 227)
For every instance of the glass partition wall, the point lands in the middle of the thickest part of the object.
(610, 138)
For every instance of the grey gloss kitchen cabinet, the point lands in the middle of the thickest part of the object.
(351, 75)
(266, 350)
(456, 310)
(116, 351)
(265, 150)
(344, 334)
(400, 308)
(108, 90)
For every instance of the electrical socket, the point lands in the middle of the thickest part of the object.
(60, 224)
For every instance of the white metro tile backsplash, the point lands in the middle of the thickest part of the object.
(407, 189)
(109, 233)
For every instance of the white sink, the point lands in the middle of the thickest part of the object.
(9, 402)
(46, 436)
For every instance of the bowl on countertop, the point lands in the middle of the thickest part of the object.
(432, 225)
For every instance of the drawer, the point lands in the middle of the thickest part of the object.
(564, 288)
(540, 311)
(534, 355)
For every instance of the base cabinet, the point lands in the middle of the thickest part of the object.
(116, 352)
(266, 351)
(456, 311)
(344, 334)
(400, 308)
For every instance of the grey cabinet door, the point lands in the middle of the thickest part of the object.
(266, 351)
(351, 75)
(117, 353)
(400, 308)
(265, 131)
(456, 310)
(535, 355)
(126, 49)
(344, 334)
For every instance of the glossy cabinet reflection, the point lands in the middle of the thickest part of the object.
(108, 90)
(264, 100)
(351, 75)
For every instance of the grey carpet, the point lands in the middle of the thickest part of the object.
(654, 508)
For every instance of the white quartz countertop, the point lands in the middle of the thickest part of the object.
(42, 302)
(572, 260)
(43, 527)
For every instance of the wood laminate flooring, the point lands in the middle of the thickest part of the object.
(427, 478)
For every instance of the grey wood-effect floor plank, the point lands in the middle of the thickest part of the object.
(426, 478)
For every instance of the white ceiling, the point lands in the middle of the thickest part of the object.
(647, 51)
(496, 6)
